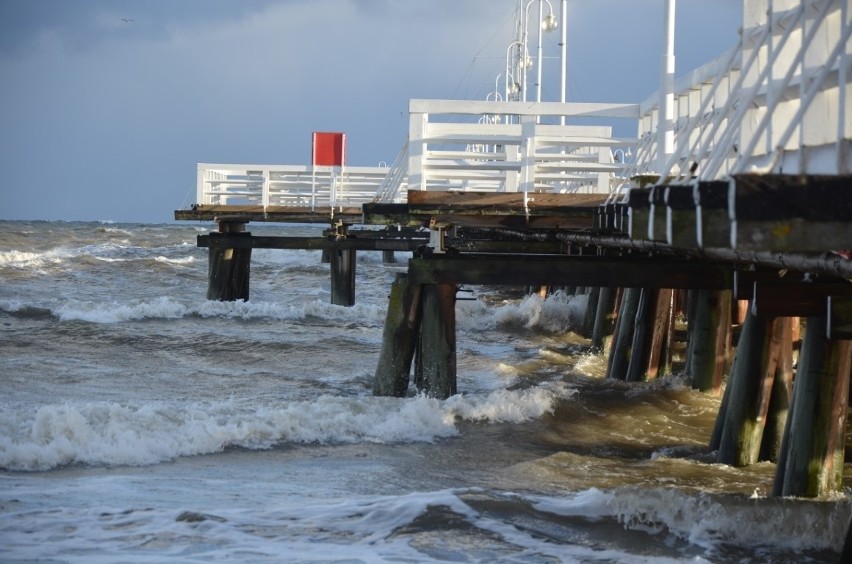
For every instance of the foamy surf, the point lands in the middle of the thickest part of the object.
(109, 433)
(556, 312)
(105, 312)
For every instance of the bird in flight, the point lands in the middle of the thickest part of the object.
(127, 20)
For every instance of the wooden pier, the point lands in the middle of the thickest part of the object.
(736, 229)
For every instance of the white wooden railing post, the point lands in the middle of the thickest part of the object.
(528, 128)
(265, 194)
(417, 127)
(665, 120)
(843, 166)
(199, 185)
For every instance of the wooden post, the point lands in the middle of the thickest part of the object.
(388, 257)
(604, 314)
(438, 340)
(814, 439)
(751, 385)
(228, 269)
(342, 276)
(399, 339)
(691, 311)
(659, 359)
(709, 339)
(591, 312)
(619, 357)
(779, 401)
(643, 328)
(719, 425)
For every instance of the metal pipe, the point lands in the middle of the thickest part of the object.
(824, 263)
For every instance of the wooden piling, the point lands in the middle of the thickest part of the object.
(811, 462)
(342, 276)
(228, 269)
(751, 385)
(710, 330)
(691, 311)
(660, 357)
(619, 357)
(438, 340)
(388, 257)
(604, 317)
(399, 339)
(591, 312)
(719, 425)
(643, 328)
(779, 400)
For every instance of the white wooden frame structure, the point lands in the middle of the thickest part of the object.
(775, 103)
(308, 187)
(504, 146)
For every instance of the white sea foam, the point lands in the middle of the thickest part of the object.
(707, 519)
(178, 261)
(115, 312)
(366, 528)
(32, 260)
(590, 504)
(557, 312)
(108, 433)
(165, 307)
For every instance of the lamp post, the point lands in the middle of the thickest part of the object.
(548, 23)
(519, 64)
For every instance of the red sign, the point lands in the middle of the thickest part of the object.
(329, 149)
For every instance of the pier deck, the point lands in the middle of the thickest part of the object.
(731, 208)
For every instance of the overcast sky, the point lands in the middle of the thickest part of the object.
(106, 106)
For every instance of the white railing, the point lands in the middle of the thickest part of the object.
(505, 146)
(776, 102)
(287, 185)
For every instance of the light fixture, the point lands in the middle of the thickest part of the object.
(549, 23)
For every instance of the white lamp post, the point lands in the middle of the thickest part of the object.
(512, 88)
(548, 23)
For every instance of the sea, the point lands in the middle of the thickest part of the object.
(140, 422)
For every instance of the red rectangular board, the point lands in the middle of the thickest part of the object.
(329, 149)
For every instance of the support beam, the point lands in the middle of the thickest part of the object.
(229, 268)
(680, 217)
(399, 339)
(751, 386)
(591, 311)
(512, 270)
(779, 401)
(438, 340)
(791, 213)
(812, 462)
(619, 356)
(604, 317)
(713, 228)
(643, 330)
(342, 267)
(709, 339)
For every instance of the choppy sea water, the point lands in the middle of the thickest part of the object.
(140, 422)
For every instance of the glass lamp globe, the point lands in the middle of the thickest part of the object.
(549, 23)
